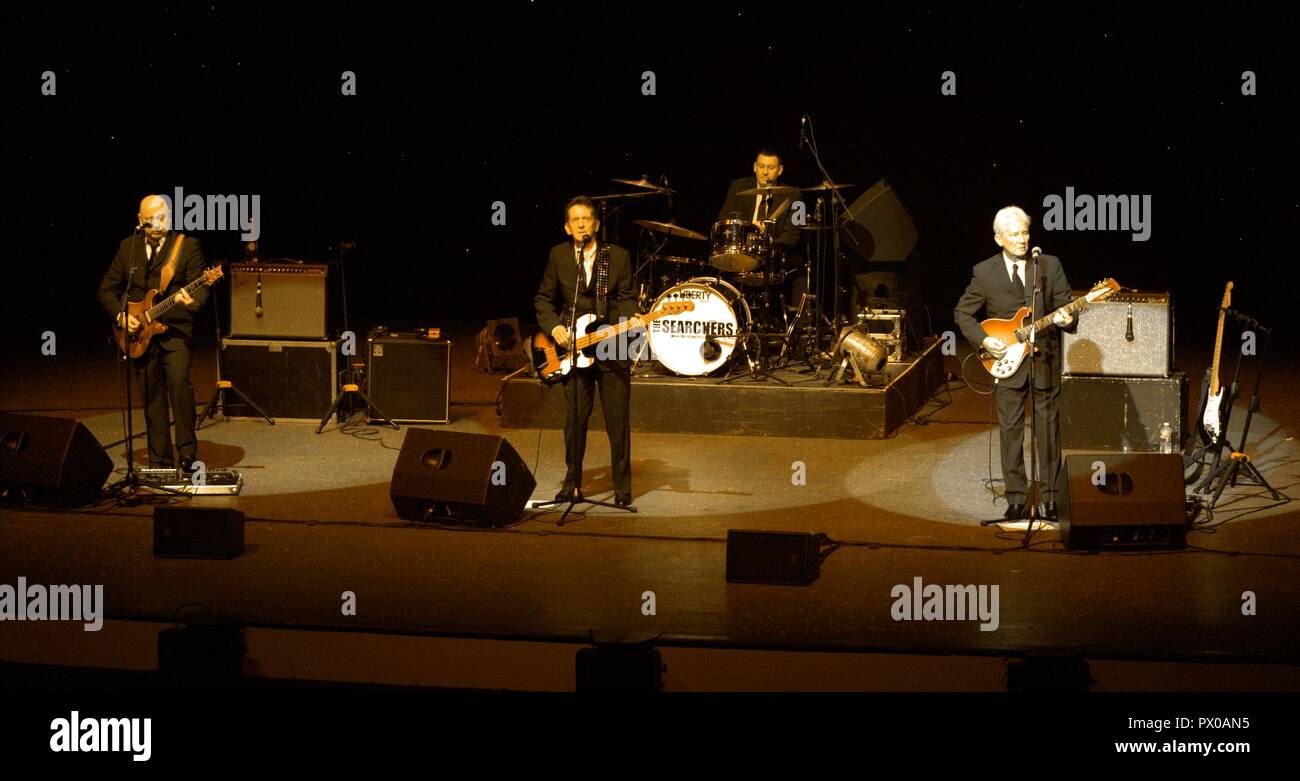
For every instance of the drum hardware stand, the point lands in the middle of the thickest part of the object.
(811, 138)
(753, 357)
(1229, 471)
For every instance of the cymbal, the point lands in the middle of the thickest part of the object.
(645, 183)
(775, 189)
(671, 228)
(679, 259)
(827, 186)
(612, 196)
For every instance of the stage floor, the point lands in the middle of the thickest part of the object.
(320, 523)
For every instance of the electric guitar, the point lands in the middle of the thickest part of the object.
(134, 343)
(1015, 333)
(1216, 403)
(590, 332)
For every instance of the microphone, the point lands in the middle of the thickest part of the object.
(668, 193)
(1128, 336)
(143, 224)
(803, 123)
(1035, 252)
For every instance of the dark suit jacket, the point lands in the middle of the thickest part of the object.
(742, 206)
(560, 284)
(148, 273)
(990, 289)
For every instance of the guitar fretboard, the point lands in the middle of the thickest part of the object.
(167, 303)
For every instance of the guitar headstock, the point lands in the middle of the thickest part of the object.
(1103, 290)
(212, 275)
(1227, 296)
(675, 308)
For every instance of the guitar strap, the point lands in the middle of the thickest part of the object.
(602, 280)
(170, 268)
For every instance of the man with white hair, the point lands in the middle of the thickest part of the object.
(165, 261)
(1001, 285)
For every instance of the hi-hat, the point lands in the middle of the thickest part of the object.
(774, 189)
(671, 228)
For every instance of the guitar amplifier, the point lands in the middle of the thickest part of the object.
(1130, 334)
(409, 378)
(1118, 413)
(291, 300)
(288, 380)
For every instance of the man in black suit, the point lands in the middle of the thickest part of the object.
(164, 369)
(1001, 285)
(762, 209)
(599, 276)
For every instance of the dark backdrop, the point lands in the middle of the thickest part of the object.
(530, 103)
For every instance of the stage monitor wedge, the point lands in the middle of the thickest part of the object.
(57, 460)
(474, 479)
(1122, 501)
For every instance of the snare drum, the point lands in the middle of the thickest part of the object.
(700, 341)
(738, 245)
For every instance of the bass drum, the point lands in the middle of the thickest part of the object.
(700, 341)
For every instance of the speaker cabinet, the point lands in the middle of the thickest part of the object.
(57, 460)
(197, 532)
(410, 378)
(1130, 334)
(779, 558)
(879, 227)
(1114, 413)
(292, 381)
(290, 296)
(475, 479)
(1122, 500)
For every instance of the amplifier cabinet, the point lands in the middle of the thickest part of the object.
(289, 380)
(1112, 413)
(409, 378)
(292, 300)
(1130, 334)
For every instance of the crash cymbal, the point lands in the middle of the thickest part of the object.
(646, 184)
(775, 189)
(671, 228)
(679, 259)
(827, 186)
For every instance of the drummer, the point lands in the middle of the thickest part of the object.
(762, 208)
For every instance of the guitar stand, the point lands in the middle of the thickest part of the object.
(224, 386)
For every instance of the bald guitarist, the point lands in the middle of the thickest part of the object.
(599, 276)
(167, 262)
(1001, 285)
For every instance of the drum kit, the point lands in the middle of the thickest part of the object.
(739, 325)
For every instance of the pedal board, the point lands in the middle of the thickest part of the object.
(217, 482)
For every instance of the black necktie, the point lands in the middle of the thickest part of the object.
(1016, 284)
(582, 271)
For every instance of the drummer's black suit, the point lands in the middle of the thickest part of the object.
(553, 303)
(786, 233)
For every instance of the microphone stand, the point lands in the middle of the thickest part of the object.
(1032, 491)
(836, 198)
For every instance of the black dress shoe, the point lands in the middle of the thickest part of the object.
(1049, 511)
(622, 500)
(1015, 512)
(187, 464)
(566, 493)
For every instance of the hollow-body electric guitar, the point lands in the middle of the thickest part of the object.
(1016, 333)
(134, 343)
(551, 367)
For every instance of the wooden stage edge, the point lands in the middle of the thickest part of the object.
(744, 407)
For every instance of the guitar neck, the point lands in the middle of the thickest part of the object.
(1214, 367)
(1070, 308)
(170, 301)
(590, 339)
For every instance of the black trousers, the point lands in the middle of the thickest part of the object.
(615, 386)
(163, 373)
(1011, 403)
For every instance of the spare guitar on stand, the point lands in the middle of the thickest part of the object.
(1212, 419)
